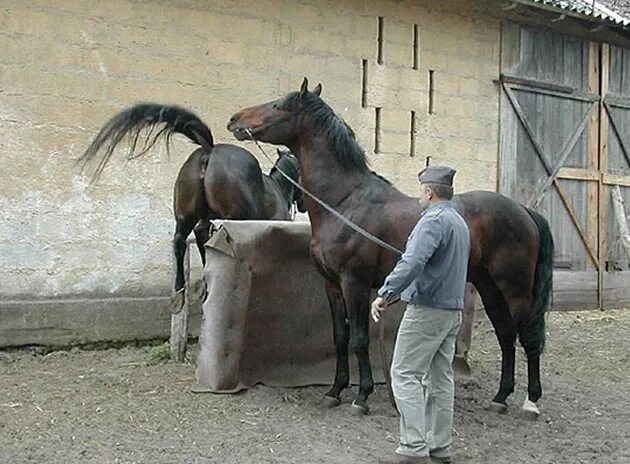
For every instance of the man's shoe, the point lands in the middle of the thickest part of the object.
(395, 458)
(442, 460)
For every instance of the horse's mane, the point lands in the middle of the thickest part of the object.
(377, 175)
(341, 140)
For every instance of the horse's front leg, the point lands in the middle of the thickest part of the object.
(464, 336)
(341, 336)
(357, 297)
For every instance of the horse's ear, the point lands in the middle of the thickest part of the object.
(304, 87)
(318, 90)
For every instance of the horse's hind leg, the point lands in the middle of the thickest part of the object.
(183, 228)
(357, 298)
(520, 306)
(202, 234)
(498, 312)
(534, 388)
(532, 346)
(341, 335)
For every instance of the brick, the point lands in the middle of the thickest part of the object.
(398, 55)
(396, 32)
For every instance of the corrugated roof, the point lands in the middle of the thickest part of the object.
(621, 7)
(592, 9)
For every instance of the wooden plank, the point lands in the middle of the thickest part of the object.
(574, 290)
(534, 84)
(616, 292)
(578, 227)
(620, 217)
(618, 101)
(616, 179)
(87, 320)
(603, 167)
(592, 199)
(576, 95)
(510, 46)
(564, 153)
(590, 175)
(541, 155)
(528, 128)
(618, 132)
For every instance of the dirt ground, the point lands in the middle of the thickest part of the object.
(115, 406)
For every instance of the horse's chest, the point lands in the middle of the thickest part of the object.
(327, 262)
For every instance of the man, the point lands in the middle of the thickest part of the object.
(430, 277)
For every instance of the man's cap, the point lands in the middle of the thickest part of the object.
(437, 175)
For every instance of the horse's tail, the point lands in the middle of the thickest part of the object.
(532, 333)
(147, 116)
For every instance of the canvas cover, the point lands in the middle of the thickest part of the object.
(266, 318)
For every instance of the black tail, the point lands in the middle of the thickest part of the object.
(146, 116)
(532, 334)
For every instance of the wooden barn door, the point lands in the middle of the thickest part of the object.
(549, 151)
(615, 167)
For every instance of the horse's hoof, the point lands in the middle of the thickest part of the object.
(330, 401)
(359, 409)
(177, 302)
(529, 410)
(501, 408)
(461, 367)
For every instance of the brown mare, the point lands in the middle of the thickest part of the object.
(511, 255)
(216, 182)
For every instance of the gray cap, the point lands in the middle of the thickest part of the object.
(437, 175)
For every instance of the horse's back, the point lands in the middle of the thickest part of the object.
(501, 210)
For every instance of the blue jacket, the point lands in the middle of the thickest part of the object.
(432, 271)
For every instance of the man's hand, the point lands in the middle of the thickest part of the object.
(378, 306)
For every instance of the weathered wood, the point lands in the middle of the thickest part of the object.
(526, 83)
(179, 321)
(620, 216)
(543, 158)
(591, 175)
(576, 95)
(592, 164)
(616, 179)
(618, 132)
(510, 46)
(603, 167)
(564, 153)
(510, 58)
(574, 290)
(618, 101)
(616, 292)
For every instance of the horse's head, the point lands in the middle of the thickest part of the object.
(288, 163)
(274, 122)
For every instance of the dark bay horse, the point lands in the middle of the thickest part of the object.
(512, 248)
(216, 182)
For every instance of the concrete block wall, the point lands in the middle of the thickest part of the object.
(67, 66)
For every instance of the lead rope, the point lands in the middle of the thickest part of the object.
(381, 330)
(327, 207)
